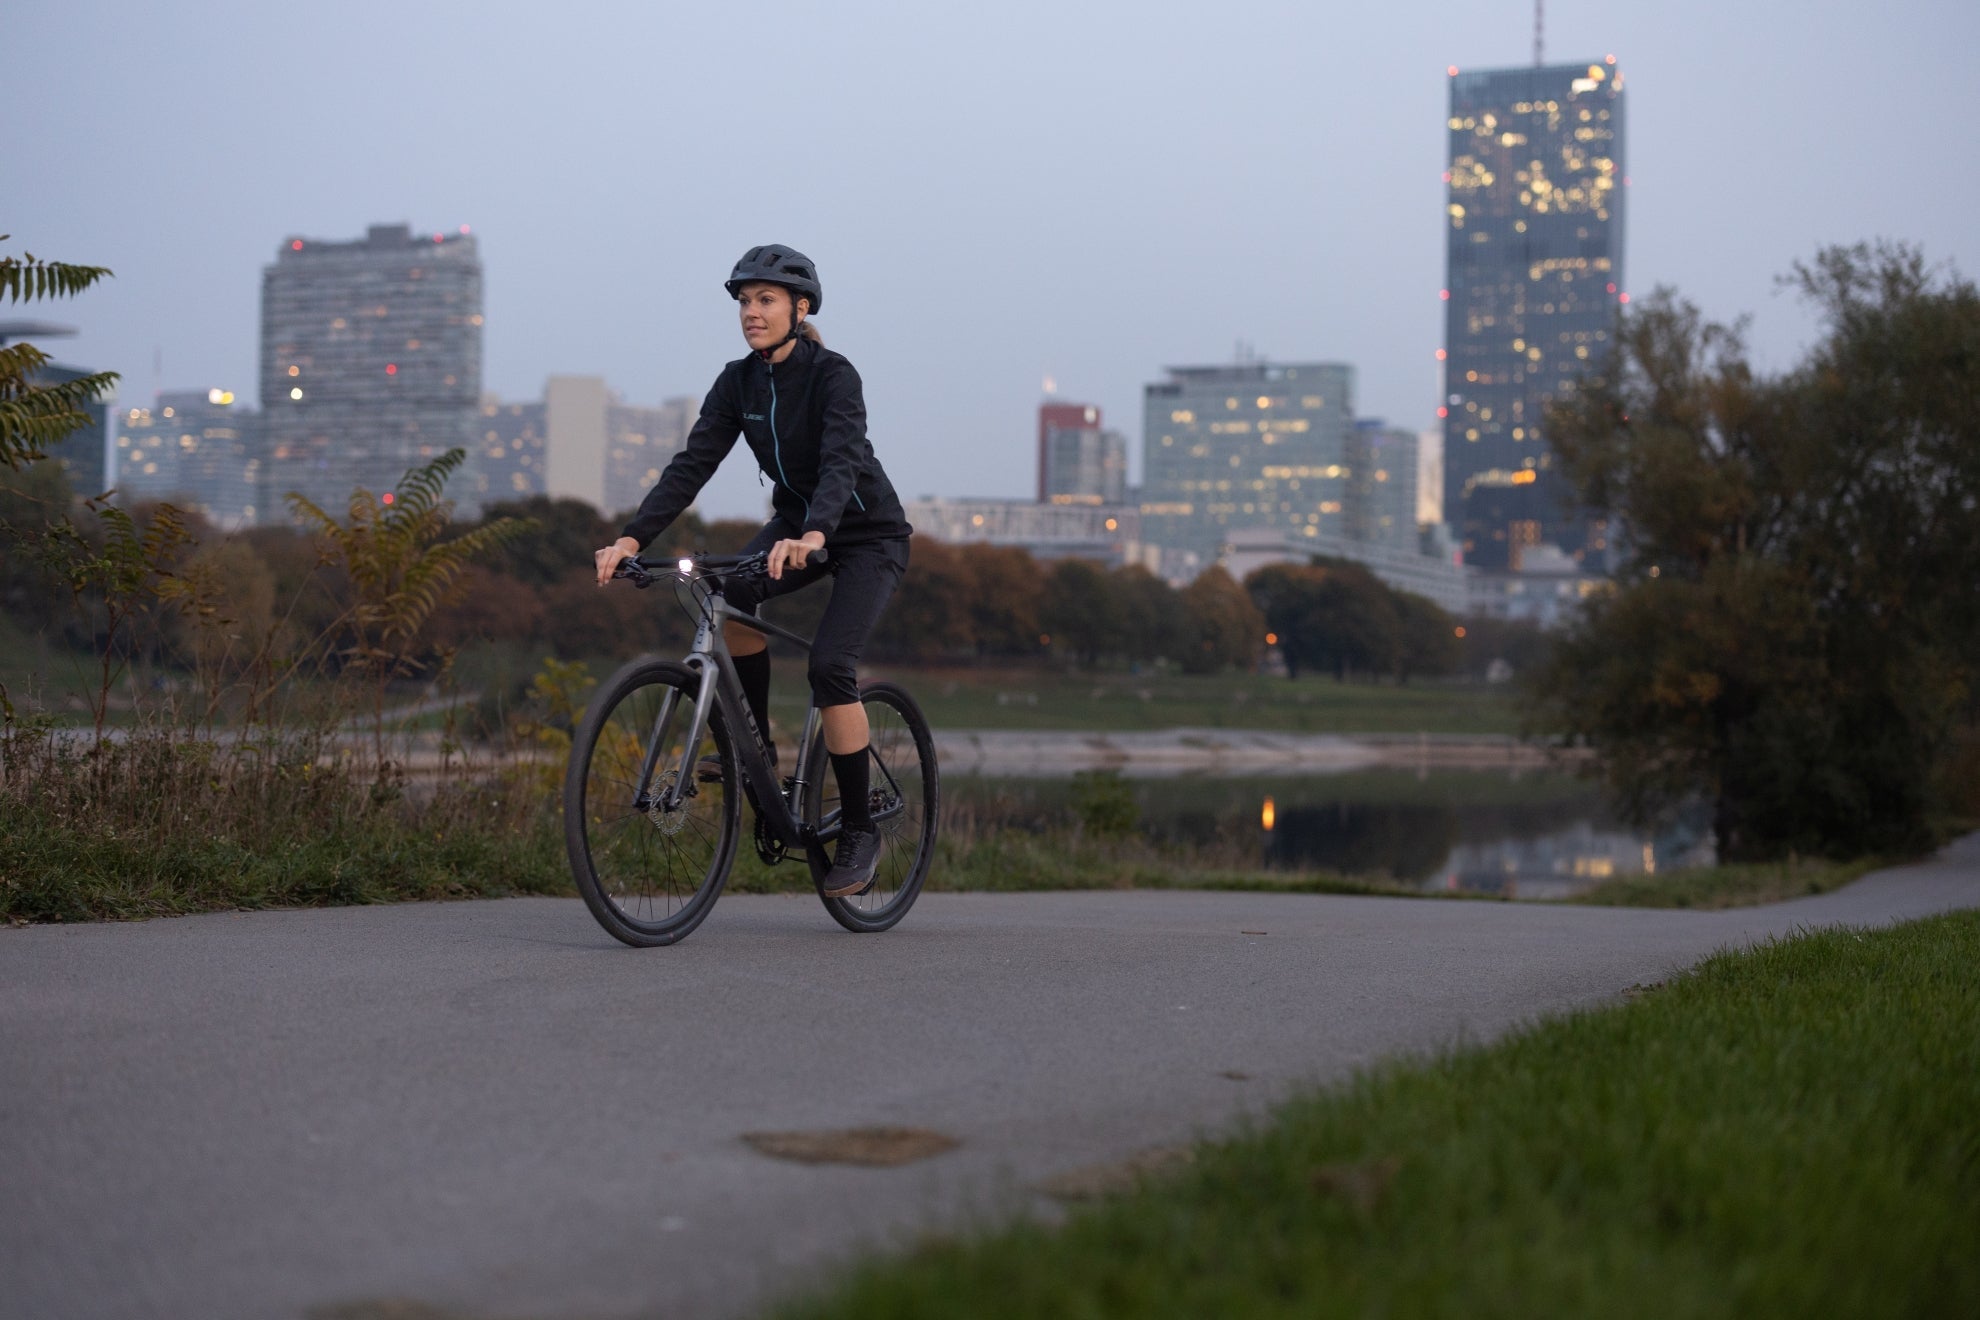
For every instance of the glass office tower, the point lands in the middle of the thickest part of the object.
(1535, 276)
(1246, 446)
(197, 449)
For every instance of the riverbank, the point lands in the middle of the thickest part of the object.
(1048, 753)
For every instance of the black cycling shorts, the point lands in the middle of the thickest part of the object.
(864, 575)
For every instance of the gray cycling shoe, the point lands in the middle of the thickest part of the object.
(853, 864)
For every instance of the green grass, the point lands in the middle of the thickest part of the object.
(1742, 885)
(52, 870)
(1051, 699)
(159, 825)
(1788, 1131)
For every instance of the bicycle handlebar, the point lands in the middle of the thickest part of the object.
(644, 572)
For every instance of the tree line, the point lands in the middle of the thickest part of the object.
(1795, 636)
(532, 585)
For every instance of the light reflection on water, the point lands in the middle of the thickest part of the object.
(1522, 835)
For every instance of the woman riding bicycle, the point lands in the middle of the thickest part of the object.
(800, 407)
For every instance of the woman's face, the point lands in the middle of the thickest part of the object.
(766, 311)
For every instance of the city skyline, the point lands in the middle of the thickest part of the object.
(1261, 172)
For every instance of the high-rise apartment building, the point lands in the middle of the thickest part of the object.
(639, 443)
(1080, 461)
(1535, 275)
(196, 448)
(370, 361)
(1254, 445)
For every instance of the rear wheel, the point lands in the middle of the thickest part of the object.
(906, 798)
(647, 873)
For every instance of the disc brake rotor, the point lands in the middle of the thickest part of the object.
(667, 822)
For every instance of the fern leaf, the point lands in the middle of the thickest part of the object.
(26, 279)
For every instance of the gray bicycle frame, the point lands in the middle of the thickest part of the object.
(710, 660)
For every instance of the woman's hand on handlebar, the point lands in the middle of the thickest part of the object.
(613, 555)
(793, 553)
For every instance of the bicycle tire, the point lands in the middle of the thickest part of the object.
(903, 746)
(648, 877)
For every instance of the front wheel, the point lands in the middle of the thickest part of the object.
(648, 872)
(906, 800)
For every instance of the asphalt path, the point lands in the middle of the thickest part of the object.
(492, 1109)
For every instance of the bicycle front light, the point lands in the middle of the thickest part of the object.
(687, 566)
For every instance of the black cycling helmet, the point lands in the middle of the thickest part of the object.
(773, 263)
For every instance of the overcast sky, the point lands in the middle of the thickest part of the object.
(993, 194)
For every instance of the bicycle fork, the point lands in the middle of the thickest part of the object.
(757, 772)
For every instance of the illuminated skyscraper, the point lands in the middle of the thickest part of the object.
(370, 362)
(1535, 275)
(1253, 445)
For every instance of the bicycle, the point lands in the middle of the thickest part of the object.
(652, 819)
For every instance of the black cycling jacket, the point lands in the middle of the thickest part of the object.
(805, 420)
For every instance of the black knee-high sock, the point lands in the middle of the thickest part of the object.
(851, 770)
(753, 671)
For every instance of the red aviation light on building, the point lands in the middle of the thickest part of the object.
(386, 498)
(1443, 412)
(1440, 355)
(464, 229)
(439, 238)
(295, 245)
(1447, 176)
(391, 368)
(1444, 294)
(1612, 287)
(1451, 71)
(1610, 59)
(1623, 297)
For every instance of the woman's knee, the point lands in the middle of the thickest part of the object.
(834, 680)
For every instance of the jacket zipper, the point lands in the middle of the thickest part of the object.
(776, 445)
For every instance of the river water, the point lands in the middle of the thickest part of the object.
(1520, 834)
